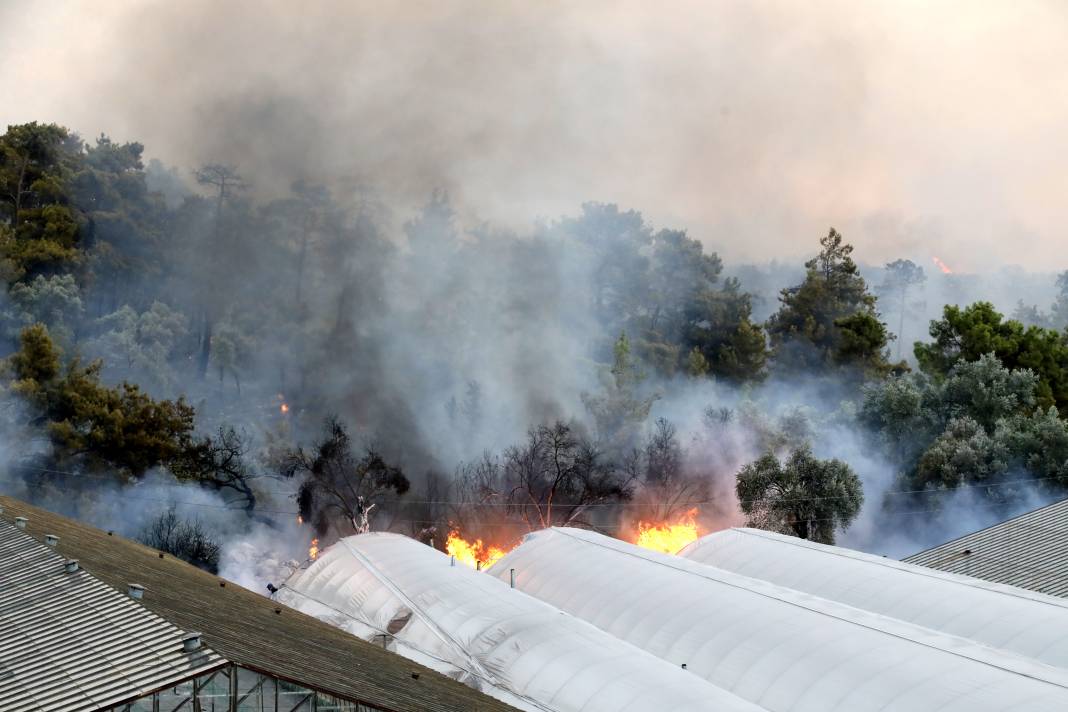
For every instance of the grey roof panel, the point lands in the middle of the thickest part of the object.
(71, 642)
(249, 629)
(1029, 551)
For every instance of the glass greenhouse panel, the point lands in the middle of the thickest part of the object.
(237, 689)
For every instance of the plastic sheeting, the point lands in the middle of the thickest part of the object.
(1023, 622)
(784, 650)
(391, 588)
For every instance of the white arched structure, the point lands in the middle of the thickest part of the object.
(1029, 624)
(781, 649)
(393, 589)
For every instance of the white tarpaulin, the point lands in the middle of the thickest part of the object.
(1023, 622)
(391, 588)
(782, 649)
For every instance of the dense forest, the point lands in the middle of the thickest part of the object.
(210, 363)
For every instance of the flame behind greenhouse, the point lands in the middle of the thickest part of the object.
(669, 538)
(475, 553)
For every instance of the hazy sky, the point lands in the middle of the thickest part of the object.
(917, 129)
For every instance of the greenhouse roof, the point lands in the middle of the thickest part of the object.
(68, 641)
(1012, 619)
(247, 628)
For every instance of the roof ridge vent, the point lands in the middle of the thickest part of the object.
(70, 565)
(51, 539)
(135, 591)
(191, 642)
(20, 522)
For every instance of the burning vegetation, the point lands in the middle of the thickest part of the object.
(475, 553)
(669, 538)
(942, 266)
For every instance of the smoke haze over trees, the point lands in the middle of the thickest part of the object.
(339, 281)
(753, 126)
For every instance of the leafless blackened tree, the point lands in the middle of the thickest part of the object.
(663, 454)
(478, 502)
(220, 462)
(557, 476)
(336, 482)
(183, 539)
(668, 489)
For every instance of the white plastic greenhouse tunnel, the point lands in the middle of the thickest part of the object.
(397, 592)
(1030, 624)
(782, 649)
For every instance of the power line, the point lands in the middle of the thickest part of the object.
(463, 503)
(617, 527)
(606, 527)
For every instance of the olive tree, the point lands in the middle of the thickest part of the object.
(801, 495)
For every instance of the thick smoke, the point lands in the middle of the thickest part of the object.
(931, 130)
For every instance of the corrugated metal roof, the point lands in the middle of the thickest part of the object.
(253, 631)
(1029, 551)
(71, 642)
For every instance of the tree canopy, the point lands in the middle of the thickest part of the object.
(979, 425)
(91, 423)
(668, 293)
(967, 334)
(801, 495)
(829, 320)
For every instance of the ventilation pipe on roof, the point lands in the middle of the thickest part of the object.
(20, 522)
(478, 566)
(452, 561)
(511, 575)
(70, 565)
(51, 539)
(191, 642)
(135, 591)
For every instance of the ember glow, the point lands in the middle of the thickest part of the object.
(942, 266)
(472, 553)
(668, 537)
(283, 408)
(313, 550)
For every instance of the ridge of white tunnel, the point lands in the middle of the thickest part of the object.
(1030, 624)
(782, 649)
(390, 588)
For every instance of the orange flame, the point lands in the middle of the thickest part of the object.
(942, 266)
(283, 408)
(313, 550)
(472, 553)
(669, 538)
